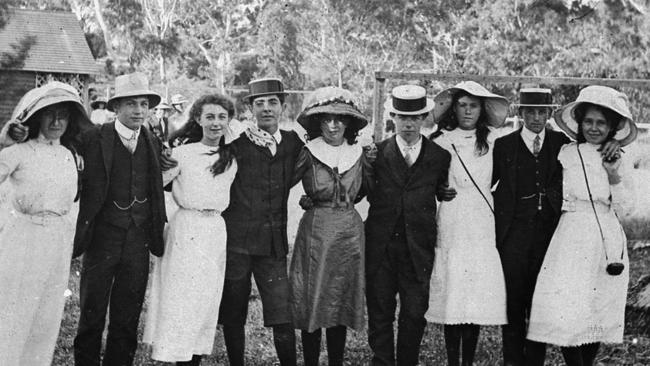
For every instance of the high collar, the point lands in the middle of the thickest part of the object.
(125, 132)
(41, 139)
(402, 144)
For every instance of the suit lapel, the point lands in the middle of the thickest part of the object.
(426, 154)
(512, 164)
(107, 142)
(396, 163)
(551, 148)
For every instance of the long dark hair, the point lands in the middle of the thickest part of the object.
(350, 134)
(193, 132)
(449, 122)
(613, 120)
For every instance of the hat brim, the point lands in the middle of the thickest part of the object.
(388, 105)
(626, 129)
(154, 98)
(536, 105)
(496, 106)
(307, 117)
(46, 101)
(247, 98)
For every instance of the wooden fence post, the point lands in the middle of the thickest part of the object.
(378, 107)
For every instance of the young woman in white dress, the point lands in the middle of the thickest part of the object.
(187, 281)
(580, 295)
(467, 286)
(36, 242)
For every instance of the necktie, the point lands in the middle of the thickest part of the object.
(273, 146)
(132, 142)
(537, 146)
(408, 156)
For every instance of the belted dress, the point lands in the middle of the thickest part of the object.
(327, 268)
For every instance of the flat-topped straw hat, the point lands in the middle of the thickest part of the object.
(331, 100)
(535, 97)
(496, 106)
(409, 100)
(605, 97)
(263, 87)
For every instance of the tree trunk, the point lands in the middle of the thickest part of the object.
(102, 24)
(163, 71)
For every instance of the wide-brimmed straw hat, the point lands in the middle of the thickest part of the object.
(262, 87)
(536, 97)
(332, 100)
(95, 103)
(49, 94)
(409, 100)
(496, 106)
(605, 97)
(133, 85)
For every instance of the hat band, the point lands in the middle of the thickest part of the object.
(535, 98)
(409, 105)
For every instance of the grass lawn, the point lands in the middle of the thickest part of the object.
(260, 351)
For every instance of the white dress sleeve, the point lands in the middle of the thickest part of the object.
(622, 193)
(10, 159)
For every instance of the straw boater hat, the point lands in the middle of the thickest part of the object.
(262, 87)
(605, 97)
(535, 97)
(133, 85)
(95, 103)
(49, 94)
(331, 100)
(496, 106)
(409, 100)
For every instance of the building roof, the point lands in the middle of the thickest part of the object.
(60, 45)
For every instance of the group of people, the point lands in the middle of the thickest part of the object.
(468, 227)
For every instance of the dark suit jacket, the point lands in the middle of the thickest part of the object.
(504, 173)
(392, 193)
(256, 219)
(97, 151)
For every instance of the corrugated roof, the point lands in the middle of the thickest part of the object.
(60, 43)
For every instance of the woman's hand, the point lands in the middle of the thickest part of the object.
(611, 167)
(370, 151)
(11, 133)
(611, 150)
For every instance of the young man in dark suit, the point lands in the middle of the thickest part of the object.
(256, 222)
(121, 220)
(401, 229)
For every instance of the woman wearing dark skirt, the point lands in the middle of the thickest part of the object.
(327, 271)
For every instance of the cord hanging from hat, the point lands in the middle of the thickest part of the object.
(593, 207)
(472, 178)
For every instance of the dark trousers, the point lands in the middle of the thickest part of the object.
(115, 272)
(396, 276)
(522, 254)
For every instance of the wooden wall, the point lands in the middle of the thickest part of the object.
(13, 85)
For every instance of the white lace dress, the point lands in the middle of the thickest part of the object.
(467, 284)
(35, 249)
(187, 282)
(576, 301)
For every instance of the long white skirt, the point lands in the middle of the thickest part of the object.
(186, 287)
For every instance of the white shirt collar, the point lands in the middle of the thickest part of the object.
(529, 136)
(277, 136)
(125, 132)
(404, 147)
